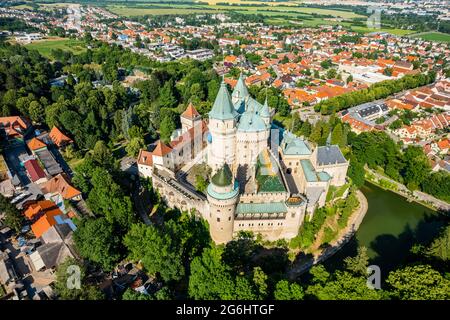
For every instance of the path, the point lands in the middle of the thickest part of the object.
(344, 236)
(416, 196)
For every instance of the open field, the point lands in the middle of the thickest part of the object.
(397, 32)
(433, 36)
(132, 12)
(46, 46)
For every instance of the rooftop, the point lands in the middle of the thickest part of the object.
(266, 207)
(330, 155)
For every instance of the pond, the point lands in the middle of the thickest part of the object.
(389, 229)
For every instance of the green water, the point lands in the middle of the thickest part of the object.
(389, 229)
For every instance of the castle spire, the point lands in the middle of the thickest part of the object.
(240, 90)
(223, 107)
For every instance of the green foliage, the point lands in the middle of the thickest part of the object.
(342, 285)
(97, 241)
(13, 218)
(419, 282)
(210, 278)
(157, 251)
(134, 146)
(167, 127)
(63, 278)
(358, 264)
(440, 247)
(131, 294)
(288, 291)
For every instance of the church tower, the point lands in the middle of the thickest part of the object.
(223, 196)
(222, 129)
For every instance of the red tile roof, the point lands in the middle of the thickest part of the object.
(190, 112)
(34, 170)
(161, 149)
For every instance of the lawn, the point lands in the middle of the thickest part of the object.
(46, 46)
(433, 36)
(397, 32)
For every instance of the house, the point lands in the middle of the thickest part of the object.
(59, 138)
(15, 128)
(34, 171)
(59, 188)
(57, 247)
(44, 214)
(36, 145)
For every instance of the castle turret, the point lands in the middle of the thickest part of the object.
(223, 196)
(240, 91)
(265, 113)
(222, 129)
(190, 118)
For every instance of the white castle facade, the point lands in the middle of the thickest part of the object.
(264, 179)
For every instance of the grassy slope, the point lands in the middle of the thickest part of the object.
(46, 46)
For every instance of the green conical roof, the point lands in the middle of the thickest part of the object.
(223, 107)
(223, 177)
(265, 110)
(240, 90)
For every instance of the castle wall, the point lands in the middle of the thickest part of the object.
(338, 173)
(249, 145)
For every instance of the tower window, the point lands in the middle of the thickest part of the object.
(218, 219)
(229, 218)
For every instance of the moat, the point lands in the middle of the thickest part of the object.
(389, 229)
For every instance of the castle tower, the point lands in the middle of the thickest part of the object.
(223, 196)
(189, 118)
(240, 91)
(265, 113)
(222, 129)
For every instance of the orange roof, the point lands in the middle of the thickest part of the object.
(190, 112)
(231, 59)
(230, 81)
(45, 222)
(161, 149)
(36, 144)
(43, 213)
(59, 184)
(58, 137)
(145, 157)
(444, 144)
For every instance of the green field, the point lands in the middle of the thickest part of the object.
(433, 36)
(132, 12)
(397, 32)
(46, 46)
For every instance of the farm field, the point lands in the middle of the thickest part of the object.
(397, 32)
(46, 46)
(433, 36)
(133, 11)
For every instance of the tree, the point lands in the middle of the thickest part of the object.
(13, 218)
(337, 135)
(131, 294)
(96, 240)
(166, 95)
(158, 252)
(134, 146)
(107, 198)
(36, 112)
(210, 278)
(200, 183)
(419, 282)
(167, 127)
(440, 247)
(288, 291)
(358, 264)
(64, 276)
(102, 155)
(416, 168)
(344, 286)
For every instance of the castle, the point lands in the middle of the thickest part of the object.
(264, 178)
